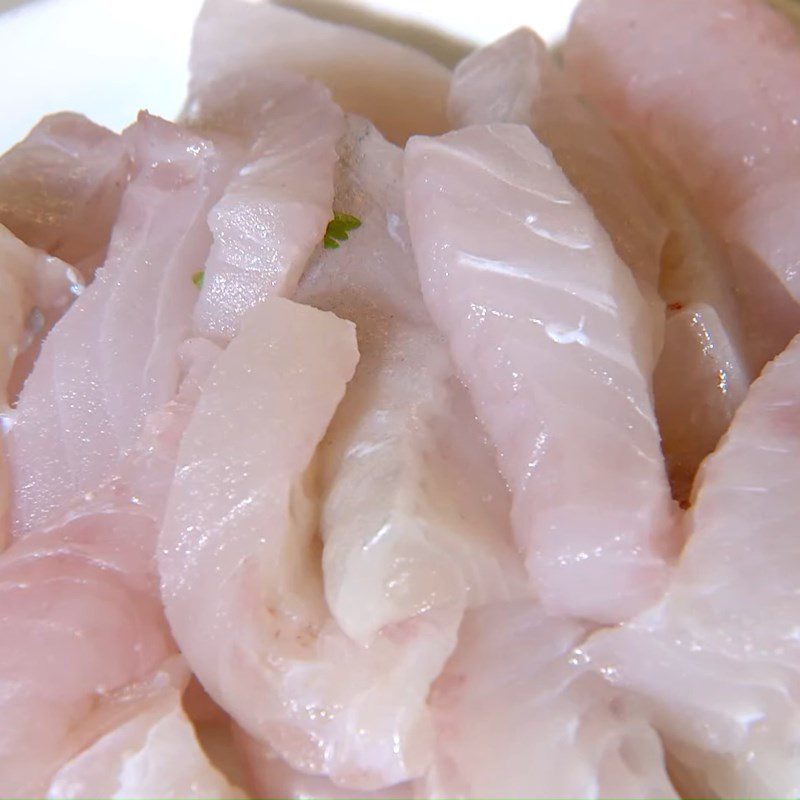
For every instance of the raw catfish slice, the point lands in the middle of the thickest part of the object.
(407, 521)
(518, 714)
(240, 569)
(274, 211)
(34, 290)
(112, 358)
(552, 338)
(730, 134)
(150, 749)
(61, 186)
(697, 388)
(400, 89)
(516, 79)
(718, 660)
(81, 622)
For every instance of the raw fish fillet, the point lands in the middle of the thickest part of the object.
(151, 751)
(408, 523)
(112, 359)
(516, 79)
(274, 211)
(34, 290)
(729, 133)
(79, 618)
(82, 629)
(517, 714)
(718, 660)
(240, 568)
(61, 186)
(400, 89)
(552, 338)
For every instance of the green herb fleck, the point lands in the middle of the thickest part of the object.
(197, 278)
(338, 229)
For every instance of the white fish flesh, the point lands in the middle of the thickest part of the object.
(542, 315)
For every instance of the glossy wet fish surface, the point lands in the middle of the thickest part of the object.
(385, 428)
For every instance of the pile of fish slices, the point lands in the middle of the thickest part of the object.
(378, 430)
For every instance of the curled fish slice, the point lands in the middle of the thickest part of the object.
(718, 661)
(414, 514)
(518, 713)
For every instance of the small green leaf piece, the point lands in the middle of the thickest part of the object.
(197, 278)
(338, 228)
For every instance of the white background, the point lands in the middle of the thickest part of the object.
(109, 58)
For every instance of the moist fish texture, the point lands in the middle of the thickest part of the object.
(728, 132)
(402, 90)
(717, 661)
(409, 521)
(34, 290)
(81, 620)
(263, 644)
(150, 750)
(514, 670)
(517, 79)
(112, 358)
(275, 209)
(541, 315)
(61, 186)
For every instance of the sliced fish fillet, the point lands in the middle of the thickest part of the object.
(274, 211)
(730, 135)
(61, 186)
(516, 79)
(262, 642)
(552, 338)
(34, 290)
(518, 714)
(112, 359)
(82, 625)
(400, 89)
(414, 513)
(151, 751)
(718, 660)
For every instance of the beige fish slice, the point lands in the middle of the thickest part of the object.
(718, 661)
(414, 514)
(402, 90)
(276, 207)
(113, 358)
(61, 186)
(518, 714)
(84, 635)
(149, 749)
(728, 134)
(551, 336)
(702, 371)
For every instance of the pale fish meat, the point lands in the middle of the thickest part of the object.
(542, 315)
